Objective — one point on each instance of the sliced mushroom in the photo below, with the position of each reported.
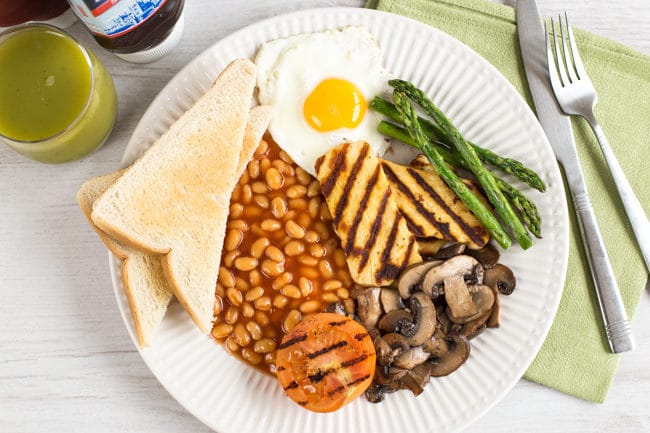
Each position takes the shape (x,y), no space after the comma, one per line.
(375,393)
(458,269)
(453,359)
(390,300)
(449,252)
(437,346)
(368,307)
(411,358)
(389,346)
(459,300)
(416,379)
(411,278)
(430,246)
(481,299)
(487,256)
(424,318)
(385,374)
(336,307)
(399,321)
(444,324)
(501,278)
(476,326)
(493,320)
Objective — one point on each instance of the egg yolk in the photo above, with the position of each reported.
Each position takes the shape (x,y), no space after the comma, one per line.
(334,104)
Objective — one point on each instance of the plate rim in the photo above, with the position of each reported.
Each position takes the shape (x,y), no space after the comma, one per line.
(129,156)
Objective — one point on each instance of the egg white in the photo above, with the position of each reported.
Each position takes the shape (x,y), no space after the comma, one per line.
(289,69)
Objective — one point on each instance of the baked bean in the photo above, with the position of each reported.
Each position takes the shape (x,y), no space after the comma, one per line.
(249,355)
(339,258)
(274,253)
(290,215)
(331,244)
(238,225)
(265,345)
(317,250)
(284,168)
(343,293)
(255,277)
(294,248)
(306,287)
(279,207)
(269,358)
(280,301)
(234,296)
(308,260)
(236,193)
(325,212)
(307,307)
(313,189)
(246,263)
(247,310)
(254,293)
(311,236)
(254,169)
(258,247)
(236,210)
(285,157)
(222,330)
(242,337)
(272,268)
(244,179)
(226,278)
(296,191)
(262,148)
(233,239)
(299,204)
(255,330)
(264,165)
(263,303)
(323,230)
(231,316)
(261,200)
(258,188)
(329,297)
(344,276)
(303,176)
(262,318)
(314,207)
(293,230)
(282,280)
(220,290)
(218,305)
(332,285)
(291,291)
(232,345)
(311,273)
(290,181)
(303,220)
(270,225)
(246,194)
(291,320)
(274,178)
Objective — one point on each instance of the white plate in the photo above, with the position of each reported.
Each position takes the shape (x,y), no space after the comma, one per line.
(230,396)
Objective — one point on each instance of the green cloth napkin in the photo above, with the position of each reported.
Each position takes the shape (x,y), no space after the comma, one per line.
(575,357)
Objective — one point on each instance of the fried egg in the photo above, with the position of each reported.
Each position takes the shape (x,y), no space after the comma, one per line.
(320,85)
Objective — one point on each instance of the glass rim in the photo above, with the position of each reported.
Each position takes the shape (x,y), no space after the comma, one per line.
(4,35)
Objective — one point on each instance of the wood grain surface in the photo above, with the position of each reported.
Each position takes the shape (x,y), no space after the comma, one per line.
(66,361)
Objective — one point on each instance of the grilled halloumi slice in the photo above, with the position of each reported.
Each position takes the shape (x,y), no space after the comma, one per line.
(374,234)
(431,208)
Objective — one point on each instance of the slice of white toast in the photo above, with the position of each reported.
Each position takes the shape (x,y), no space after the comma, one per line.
(142,276)
(174,200)
(143,279)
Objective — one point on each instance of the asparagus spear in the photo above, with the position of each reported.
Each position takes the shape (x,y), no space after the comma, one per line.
(467,152)
(436,133)
(524,206)
(410,118)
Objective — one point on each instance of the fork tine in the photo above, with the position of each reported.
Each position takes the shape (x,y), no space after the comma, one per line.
(552,66)
(577,61)
(565,49)
(560,65)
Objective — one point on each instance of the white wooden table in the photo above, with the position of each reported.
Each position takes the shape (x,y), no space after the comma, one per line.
(67,363)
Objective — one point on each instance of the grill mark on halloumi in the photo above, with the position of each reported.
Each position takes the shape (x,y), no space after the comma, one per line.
(466,228)
(365,214)
(429,217)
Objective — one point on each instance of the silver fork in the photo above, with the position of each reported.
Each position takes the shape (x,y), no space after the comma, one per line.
(576,95)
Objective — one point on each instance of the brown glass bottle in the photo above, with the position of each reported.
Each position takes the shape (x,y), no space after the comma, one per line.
(151,32)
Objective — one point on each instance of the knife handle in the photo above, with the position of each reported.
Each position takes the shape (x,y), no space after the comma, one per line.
(617,326)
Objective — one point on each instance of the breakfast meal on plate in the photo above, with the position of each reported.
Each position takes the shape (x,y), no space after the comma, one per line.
(304,248)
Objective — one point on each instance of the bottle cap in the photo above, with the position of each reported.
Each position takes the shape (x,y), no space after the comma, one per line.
(160,50)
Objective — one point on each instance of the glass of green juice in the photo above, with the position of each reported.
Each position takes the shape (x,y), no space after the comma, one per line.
(57,101)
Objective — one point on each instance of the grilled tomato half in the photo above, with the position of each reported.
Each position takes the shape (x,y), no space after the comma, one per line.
(325,361)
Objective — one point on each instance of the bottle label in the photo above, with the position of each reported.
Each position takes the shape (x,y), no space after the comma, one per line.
(113,18)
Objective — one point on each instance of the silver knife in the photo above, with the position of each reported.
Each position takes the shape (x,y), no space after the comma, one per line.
(557,125)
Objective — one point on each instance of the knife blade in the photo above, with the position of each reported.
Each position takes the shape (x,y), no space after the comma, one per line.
(557,126)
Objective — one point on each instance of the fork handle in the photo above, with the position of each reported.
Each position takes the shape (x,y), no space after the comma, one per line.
(635,213)
(617,326)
